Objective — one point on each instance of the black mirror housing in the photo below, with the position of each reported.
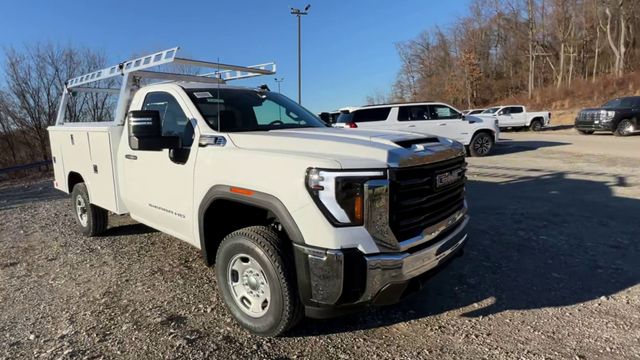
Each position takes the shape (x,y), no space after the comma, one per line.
(145,132)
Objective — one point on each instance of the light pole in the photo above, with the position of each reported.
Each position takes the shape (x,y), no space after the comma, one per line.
(299,13)
(278,81)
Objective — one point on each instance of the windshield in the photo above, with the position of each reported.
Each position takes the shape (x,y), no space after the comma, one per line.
(233,110)
(620,103)
(491,110)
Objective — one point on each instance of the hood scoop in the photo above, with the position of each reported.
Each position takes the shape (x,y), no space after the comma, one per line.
(409,144)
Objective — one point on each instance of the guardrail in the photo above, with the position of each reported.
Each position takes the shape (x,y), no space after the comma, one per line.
(12,169)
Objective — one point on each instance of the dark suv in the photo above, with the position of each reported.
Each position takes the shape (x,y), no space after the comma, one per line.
(620,115)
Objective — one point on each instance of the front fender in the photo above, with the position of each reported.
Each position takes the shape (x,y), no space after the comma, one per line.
(257,199)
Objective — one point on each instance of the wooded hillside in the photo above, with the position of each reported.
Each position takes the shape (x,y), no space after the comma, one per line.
(510,48)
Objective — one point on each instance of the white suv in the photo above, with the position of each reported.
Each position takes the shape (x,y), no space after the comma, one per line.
(477,134)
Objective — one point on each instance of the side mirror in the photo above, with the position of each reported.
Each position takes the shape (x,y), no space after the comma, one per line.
(145,132)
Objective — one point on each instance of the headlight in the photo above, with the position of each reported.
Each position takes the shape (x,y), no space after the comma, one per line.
(607,115)
(340,194)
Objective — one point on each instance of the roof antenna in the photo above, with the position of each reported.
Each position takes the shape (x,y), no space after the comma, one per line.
(218,101)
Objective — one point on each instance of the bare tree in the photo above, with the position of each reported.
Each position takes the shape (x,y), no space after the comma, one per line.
(35,78)
(519,46)
(532,59)
(7,129)
(618,46)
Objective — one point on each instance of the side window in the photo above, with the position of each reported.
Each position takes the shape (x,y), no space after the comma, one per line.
(442,112)
(516,110)
(627,103)
(174,120)
(376,114)
(413,113)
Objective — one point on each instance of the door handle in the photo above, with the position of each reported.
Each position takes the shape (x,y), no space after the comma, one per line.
(411,126)
(131,157)
(442,124)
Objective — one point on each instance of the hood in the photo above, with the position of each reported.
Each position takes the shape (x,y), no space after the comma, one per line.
(354,148)
(601,109)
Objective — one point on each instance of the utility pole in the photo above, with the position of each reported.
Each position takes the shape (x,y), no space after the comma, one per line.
(299,13)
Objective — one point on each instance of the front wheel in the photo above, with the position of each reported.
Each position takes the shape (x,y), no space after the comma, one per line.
(624,128)
(255,275)
(92,219)
(536,125)
(481,144)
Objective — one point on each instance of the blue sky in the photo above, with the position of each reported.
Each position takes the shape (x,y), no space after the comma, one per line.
(348,46)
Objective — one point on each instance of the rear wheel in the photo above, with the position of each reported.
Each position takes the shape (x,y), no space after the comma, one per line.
(481,144)
(92,219)
(584,132)
(255,275)
(536,125)
(625,128)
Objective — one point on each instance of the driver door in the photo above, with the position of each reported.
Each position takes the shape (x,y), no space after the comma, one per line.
(158,185)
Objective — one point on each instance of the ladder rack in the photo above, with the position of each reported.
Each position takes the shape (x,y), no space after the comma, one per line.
(224,72)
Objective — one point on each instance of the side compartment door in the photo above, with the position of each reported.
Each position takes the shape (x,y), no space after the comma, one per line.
(59,179)
(158,185)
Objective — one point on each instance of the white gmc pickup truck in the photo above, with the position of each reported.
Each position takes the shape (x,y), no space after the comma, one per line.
(297,217)
(517,116)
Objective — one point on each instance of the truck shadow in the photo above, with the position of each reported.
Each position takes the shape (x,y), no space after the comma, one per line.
(536,241)
(127,229)
(508,146)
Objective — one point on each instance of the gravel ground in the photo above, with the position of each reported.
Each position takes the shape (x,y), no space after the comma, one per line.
(552,270)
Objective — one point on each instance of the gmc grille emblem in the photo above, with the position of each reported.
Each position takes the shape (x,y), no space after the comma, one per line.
(448,178)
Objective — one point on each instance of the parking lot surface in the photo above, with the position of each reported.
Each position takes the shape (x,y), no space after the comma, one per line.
(552,270)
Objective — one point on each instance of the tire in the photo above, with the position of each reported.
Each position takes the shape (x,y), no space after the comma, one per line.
(625,128)
(481,144)
(535,125)
(92,219)
(264,299)
(585,132)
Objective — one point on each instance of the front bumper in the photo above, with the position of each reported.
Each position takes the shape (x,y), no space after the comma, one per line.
(594,125)
(332,282)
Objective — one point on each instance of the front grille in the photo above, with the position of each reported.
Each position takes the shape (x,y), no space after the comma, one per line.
(589,116)
(416,204)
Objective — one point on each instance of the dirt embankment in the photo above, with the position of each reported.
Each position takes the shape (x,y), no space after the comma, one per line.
(565,102)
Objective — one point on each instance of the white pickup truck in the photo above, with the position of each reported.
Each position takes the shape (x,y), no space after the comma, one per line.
(517,116)
(297,217)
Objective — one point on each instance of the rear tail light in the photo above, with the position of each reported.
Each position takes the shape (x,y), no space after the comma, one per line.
(351,125)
